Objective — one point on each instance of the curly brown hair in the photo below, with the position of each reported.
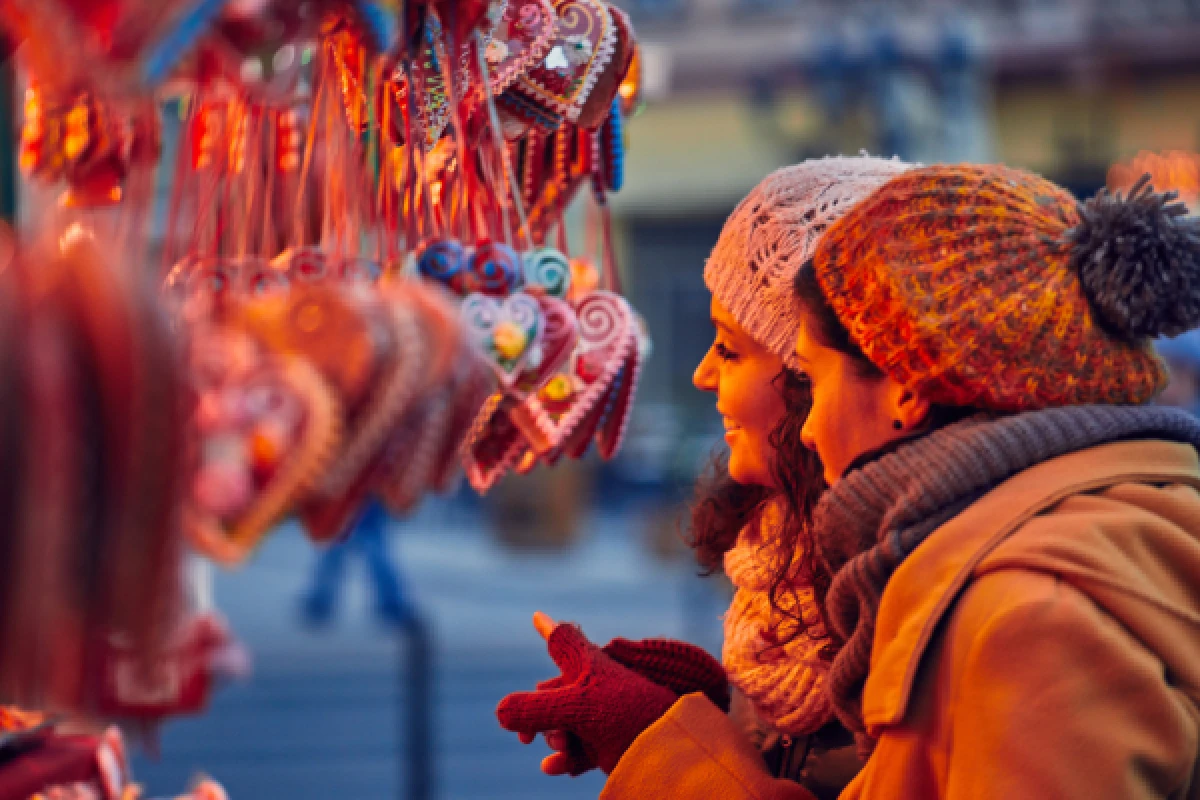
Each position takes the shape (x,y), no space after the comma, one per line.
(723,507)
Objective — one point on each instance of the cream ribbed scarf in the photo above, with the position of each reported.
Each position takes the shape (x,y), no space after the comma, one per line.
(785,684)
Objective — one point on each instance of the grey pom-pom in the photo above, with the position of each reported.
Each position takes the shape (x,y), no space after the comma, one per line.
(1139,260)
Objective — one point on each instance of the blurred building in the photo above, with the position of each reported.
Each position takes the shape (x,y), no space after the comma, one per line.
(736,88)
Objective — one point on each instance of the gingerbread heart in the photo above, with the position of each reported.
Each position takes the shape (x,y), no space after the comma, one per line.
(506,331)
(522,37)
(606,339)
(608,83)
(559,337)
(583,45)
(265,437)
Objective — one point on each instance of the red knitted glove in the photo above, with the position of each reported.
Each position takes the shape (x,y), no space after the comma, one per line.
(601,703)
(681,667)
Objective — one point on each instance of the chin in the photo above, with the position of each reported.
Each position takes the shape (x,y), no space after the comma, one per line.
(748,475)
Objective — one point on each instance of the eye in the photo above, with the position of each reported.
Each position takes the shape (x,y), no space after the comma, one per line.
(724,353)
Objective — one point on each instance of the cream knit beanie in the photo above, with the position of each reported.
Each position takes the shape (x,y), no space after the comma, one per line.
(774,230)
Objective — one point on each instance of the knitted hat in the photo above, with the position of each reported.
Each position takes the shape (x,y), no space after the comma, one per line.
(991,287)
(774,231)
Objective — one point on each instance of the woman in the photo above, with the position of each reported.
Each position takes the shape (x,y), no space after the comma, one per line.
(1013,532)
(750,516)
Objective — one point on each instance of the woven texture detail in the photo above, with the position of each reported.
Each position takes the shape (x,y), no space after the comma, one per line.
(874,517)
(774,231)
(957,281)
(785,682)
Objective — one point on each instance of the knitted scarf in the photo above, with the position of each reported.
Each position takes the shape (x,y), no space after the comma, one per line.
(870,521)
(785,682)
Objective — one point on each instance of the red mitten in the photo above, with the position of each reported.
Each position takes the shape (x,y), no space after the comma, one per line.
(681,667)
(600,702)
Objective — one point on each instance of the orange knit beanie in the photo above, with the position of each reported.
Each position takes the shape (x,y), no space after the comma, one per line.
(991,287)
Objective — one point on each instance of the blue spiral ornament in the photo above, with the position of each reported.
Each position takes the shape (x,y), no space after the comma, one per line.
(494,269)
(443,260)
(549,269)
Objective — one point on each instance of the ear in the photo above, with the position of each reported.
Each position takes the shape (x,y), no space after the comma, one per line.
(911,408)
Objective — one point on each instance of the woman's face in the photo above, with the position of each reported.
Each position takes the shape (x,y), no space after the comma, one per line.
(741,373)
(852,413)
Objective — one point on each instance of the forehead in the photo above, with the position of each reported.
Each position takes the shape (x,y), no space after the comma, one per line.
(721,316)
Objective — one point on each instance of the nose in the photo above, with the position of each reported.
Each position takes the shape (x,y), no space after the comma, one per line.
(705,376)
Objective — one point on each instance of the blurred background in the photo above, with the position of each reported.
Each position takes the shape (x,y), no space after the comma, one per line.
(377,677)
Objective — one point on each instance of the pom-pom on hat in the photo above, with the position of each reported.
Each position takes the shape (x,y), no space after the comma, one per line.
(991,287)
(774,231)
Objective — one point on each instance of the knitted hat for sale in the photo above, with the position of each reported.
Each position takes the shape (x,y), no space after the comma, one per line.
(774,231)
(990,287)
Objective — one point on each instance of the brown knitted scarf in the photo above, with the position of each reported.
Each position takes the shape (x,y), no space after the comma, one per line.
(870,521)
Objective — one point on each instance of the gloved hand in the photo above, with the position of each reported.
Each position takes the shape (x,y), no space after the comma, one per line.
(681,667)
(592,712)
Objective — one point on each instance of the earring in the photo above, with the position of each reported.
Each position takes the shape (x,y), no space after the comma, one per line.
(897,424)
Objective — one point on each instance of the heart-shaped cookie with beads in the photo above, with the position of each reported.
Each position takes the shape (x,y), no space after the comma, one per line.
(584,39)
(267,425)
(522,37)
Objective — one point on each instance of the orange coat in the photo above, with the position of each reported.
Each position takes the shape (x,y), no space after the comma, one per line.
(1043,644)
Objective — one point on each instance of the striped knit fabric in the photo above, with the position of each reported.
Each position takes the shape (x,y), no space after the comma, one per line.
(959,282)
(785,683)
(874,517)
(774,231)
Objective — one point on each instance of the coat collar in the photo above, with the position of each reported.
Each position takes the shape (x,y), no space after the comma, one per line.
(926,583)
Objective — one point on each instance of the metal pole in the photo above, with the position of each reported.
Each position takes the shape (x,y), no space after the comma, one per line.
(416,720)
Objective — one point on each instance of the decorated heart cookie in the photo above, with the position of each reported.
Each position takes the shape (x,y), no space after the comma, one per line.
(506,331)
(583,45)
(265,437)
(522,37)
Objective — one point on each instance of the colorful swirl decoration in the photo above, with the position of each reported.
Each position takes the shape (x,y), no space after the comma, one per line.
(443,261)
(507,331)
(494,269)
(549,270)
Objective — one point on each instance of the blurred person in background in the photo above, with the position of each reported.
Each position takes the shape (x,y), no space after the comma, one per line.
(1182,355)
(369,538)
(752,510)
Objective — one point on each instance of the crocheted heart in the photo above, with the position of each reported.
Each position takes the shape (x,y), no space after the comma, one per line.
(522,37)
(582,47)
(506,331)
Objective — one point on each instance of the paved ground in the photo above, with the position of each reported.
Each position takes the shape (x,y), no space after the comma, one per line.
(323,714)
